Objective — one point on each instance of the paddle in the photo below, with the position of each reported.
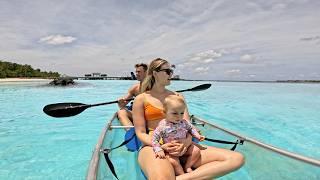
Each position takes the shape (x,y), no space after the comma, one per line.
(72,109)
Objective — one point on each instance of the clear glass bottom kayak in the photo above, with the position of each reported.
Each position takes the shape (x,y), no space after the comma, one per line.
(262,161)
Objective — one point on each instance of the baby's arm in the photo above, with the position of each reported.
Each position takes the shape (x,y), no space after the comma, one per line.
(193,131)
(155,143)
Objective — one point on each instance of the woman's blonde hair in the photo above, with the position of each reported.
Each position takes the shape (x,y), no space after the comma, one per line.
(149,80)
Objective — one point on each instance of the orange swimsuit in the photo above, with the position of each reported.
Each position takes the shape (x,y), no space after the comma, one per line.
(152,113)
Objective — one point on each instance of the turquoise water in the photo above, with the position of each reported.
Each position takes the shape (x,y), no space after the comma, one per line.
(36,146)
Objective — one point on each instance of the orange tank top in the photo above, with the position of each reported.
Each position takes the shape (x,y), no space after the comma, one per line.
(152,113)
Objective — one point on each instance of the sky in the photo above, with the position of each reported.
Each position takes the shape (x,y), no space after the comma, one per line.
(248,40)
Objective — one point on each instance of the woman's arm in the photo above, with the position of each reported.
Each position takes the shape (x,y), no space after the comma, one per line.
(155,141)
(139,120)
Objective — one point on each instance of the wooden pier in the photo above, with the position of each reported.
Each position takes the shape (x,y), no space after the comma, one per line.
(100,76)
(103,78)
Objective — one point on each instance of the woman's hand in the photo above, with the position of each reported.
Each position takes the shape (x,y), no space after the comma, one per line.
(173,148)
(177,148)
(160,155)
(186,142)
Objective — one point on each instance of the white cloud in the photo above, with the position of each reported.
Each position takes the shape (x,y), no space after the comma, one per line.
(233,71)
(208,60)
(210,53)
(247,58)
(207,56)
(196,58)
(201,69)
(57,39)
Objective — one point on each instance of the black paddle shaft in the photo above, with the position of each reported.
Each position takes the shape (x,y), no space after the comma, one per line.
(72,109)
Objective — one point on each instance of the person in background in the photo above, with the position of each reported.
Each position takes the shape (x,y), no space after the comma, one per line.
(124,114)
(148,111)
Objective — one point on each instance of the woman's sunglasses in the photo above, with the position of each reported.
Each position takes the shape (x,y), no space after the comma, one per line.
(168,71)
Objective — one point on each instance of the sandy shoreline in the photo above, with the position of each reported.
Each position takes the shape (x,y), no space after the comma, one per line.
(17,80)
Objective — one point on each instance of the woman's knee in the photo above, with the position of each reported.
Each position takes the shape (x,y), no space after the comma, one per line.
(236,160)
(161,176)
(155,168)
(157,173)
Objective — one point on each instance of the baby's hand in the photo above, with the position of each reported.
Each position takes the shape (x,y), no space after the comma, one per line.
(201,138)
(160,155)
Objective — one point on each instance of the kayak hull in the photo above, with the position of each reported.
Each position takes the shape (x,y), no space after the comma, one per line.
(262,161)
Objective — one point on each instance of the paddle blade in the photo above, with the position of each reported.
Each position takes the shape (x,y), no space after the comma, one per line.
(64,109)
(201,87)
(198,88)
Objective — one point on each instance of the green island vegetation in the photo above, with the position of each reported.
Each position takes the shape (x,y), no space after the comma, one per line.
(14,70)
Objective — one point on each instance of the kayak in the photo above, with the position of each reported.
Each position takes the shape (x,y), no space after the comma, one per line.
(263,161)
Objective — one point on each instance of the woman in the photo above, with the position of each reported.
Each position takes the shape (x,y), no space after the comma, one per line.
(148,112)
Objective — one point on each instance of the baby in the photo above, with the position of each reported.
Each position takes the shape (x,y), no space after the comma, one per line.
(174,127)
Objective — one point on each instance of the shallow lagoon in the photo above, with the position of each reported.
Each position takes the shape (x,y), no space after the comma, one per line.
(35,146)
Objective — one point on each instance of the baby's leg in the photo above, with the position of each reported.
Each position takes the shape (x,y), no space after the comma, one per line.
(193,154)
(176,164)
